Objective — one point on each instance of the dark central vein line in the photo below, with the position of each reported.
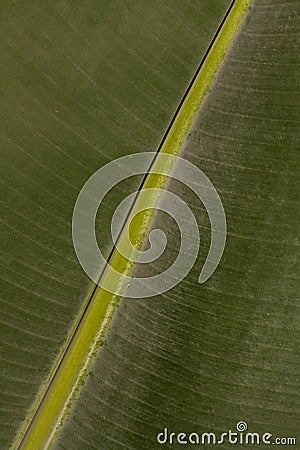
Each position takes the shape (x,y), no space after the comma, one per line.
(71,337)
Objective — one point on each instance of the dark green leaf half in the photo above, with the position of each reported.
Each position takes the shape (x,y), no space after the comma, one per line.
(201,358)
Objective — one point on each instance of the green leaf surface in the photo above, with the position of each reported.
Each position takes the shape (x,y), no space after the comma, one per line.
(82,84)
(201,358)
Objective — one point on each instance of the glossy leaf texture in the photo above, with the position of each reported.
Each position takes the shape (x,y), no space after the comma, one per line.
(82,83)
(202,358)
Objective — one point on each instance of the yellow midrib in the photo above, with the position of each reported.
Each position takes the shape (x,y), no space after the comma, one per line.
(54,406)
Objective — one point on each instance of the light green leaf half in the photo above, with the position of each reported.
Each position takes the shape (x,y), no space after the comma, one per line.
(82,83)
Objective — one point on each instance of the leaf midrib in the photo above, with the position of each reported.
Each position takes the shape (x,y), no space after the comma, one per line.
(49,409)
